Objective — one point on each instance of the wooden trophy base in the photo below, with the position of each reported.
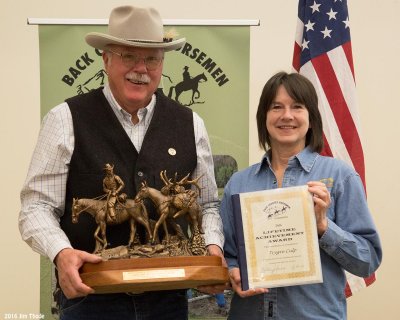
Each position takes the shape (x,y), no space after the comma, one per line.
(153,274)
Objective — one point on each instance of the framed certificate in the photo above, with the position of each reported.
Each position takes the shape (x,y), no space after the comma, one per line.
(277,238)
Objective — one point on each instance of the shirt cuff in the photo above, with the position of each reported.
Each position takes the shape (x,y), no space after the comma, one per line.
(56,248)
(332,239)
(210,239)
(232,263)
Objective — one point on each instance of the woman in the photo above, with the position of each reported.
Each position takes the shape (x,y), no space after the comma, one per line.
(290,131)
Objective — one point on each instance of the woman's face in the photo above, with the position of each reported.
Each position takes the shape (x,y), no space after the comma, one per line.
(287,122)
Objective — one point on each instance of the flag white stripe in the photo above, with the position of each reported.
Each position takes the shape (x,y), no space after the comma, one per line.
(344,76)
(330,127)
(346,81)
(299,32)
(355,283)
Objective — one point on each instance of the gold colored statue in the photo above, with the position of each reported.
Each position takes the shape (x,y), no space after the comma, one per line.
(130,210)
(171,202)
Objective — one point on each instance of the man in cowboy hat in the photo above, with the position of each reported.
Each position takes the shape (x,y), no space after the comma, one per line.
(112,185)
(139,130)
(186,75)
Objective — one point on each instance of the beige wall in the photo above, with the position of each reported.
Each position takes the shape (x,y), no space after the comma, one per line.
(376,48)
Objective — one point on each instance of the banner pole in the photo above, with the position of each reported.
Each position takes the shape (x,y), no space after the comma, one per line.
(166,22)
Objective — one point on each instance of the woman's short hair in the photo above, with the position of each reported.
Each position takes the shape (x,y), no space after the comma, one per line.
(301,90)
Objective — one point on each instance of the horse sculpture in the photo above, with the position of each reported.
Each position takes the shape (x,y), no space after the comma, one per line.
(186,85)
(132,210)
(167,210)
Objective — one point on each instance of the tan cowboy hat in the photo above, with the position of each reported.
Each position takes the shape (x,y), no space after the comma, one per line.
(134,27)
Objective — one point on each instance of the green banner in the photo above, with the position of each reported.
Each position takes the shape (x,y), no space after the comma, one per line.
(209,74)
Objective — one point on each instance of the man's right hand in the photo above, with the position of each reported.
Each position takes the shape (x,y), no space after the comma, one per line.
(68,262)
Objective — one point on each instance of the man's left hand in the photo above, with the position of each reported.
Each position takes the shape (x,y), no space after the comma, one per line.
(214,250)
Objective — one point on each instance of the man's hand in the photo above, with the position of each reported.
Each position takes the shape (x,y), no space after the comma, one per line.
(214,250)
(68,262)
(234,275)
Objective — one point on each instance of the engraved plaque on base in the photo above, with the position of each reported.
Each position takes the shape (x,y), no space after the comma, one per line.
(153,274)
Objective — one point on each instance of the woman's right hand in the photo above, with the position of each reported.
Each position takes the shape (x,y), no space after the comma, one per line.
(234,276)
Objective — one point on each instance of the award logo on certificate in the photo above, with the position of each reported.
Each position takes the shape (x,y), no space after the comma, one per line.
(277,238)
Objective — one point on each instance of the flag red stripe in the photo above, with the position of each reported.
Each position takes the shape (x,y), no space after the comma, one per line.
(296,57)
(339,116)
(327,149)
(340,111)
(348,52)
(369,280)
(347,290)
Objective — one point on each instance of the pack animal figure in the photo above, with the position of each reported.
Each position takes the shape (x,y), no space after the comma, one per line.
(173,201)
(183,199)
(185,202)
(163,205)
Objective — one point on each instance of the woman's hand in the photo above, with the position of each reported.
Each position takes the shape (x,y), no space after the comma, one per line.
(234,275)
(322,201)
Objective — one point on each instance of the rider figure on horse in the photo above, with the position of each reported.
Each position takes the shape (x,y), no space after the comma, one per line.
(186,75)
(112,185)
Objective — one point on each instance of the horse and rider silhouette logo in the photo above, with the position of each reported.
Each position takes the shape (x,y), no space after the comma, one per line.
(187,84)
(276,209)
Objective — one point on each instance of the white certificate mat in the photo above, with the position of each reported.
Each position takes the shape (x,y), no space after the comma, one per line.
(277,238)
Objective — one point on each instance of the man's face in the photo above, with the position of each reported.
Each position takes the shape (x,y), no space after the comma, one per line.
(132,84)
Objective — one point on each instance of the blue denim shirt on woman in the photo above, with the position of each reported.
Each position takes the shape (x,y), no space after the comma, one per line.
(350,243)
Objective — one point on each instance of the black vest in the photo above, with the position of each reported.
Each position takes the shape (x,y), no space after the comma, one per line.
(101,139)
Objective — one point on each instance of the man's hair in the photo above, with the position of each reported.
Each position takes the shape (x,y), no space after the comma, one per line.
(301,90)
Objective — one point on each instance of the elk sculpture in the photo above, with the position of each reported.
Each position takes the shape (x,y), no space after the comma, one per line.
(172,201)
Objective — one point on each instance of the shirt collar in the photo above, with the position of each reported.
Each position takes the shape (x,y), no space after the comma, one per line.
(148,110)
(306,159)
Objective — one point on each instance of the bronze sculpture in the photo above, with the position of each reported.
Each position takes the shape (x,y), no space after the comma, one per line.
(131,210)
(171,202)
(119,272)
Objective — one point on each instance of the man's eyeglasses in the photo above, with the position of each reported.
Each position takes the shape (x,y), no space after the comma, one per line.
(131,59)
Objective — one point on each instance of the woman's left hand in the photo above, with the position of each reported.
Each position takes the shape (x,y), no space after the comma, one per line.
(322,201)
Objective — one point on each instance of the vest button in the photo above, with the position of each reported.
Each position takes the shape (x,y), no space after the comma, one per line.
(172,151)
(140,173)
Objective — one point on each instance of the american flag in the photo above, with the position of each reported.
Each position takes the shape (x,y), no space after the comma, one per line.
(322,53)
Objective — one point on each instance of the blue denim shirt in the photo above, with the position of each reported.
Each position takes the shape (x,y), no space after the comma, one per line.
(350,243)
